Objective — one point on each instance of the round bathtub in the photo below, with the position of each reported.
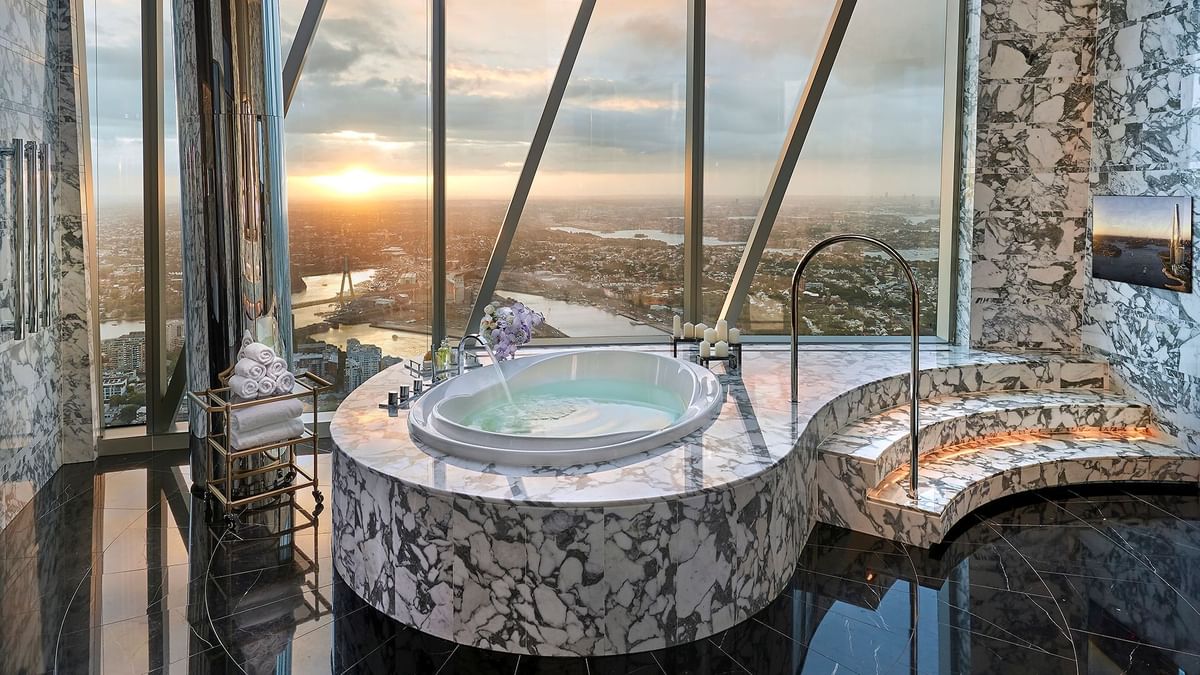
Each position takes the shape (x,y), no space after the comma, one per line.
(567,408)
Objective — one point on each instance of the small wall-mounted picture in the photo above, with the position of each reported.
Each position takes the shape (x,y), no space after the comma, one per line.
(1145,241)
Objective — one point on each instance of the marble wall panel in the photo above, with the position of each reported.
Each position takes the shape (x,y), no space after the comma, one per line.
(45,376)
(1028,184)
(1147,144)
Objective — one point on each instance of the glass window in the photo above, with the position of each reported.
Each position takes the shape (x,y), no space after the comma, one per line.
(500,61)
(172,327)
(871,165)
(599,249)
(113,32)
(358,193)
(757,59)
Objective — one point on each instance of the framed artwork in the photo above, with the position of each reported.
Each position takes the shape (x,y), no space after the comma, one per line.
(1146,241)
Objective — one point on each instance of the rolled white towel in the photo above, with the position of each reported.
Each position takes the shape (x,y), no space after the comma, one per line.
(243,387)
(273,433)
(266,385)
(247,338)
(251,370)
(285,383)
(258,352)
(253,418)
(277,367)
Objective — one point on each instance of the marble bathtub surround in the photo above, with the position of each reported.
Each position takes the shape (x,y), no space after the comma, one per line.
(646,552)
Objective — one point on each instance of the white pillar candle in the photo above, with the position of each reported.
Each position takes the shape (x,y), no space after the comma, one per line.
(704,349)
(735,336)
(722,349)
(700,328)
(710,335)
(722,329)
(677,327)
(689,331)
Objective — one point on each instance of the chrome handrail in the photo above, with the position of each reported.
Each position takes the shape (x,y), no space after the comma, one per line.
(914,376)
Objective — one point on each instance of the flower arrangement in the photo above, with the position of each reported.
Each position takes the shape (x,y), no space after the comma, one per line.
(506,328)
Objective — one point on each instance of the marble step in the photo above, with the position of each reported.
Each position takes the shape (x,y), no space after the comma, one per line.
(871,448)
(956,480)
(1000,372)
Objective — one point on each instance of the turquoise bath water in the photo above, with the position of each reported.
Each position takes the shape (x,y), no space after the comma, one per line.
(576,408)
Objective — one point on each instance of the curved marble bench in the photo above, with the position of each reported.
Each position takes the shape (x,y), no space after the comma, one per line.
(653,550)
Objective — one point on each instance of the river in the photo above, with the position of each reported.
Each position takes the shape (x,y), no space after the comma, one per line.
(326,286)
(582,320)
(655,235)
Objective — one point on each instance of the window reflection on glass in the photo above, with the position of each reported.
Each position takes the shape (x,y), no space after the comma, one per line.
(358,207)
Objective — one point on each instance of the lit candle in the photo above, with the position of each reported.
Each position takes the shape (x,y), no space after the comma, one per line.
(677,327)
(722,349)
(735,336)
(689,331)
(704,349)
(722,329)
(710,335)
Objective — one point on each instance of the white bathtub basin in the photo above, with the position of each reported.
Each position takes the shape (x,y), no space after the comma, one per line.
(568,408)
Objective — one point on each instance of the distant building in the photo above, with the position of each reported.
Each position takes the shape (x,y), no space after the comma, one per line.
(362,362)
(126,354)
(174,334)
(115,386)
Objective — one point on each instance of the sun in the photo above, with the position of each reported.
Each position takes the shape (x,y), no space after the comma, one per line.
(357,182)
(352,182)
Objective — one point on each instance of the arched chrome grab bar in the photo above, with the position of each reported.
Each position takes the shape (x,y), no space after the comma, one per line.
(914,373)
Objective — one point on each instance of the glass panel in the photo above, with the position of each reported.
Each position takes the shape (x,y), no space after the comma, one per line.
(758,56)
(871,165)
(500,61)
(358,205)
(599,249)
(290,12)
(113,31)
(173,300)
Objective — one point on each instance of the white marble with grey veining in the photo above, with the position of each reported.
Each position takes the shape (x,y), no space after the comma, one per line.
(960,479)
(48,415)
(662,548)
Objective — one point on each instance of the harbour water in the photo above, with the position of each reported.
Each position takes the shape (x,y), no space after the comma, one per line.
(654,235)
(583,320)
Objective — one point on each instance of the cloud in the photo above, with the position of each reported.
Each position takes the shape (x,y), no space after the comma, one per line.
(364,94)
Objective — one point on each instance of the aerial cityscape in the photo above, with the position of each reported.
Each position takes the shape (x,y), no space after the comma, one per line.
(595,268)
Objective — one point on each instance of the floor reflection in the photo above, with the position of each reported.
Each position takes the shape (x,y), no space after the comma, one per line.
(118,569)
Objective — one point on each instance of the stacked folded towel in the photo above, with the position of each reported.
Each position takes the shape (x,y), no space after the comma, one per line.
(259,373)
(276,432)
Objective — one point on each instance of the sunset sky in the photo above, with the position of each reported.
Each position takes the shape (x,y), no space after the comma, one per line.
(359,123)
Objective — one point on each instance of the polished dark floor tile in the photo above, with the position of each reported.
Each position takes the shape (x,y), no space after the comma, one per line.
(116,568)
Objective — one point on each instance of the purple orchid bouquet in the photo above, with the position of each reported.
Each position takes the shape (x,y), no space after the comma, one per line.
(506,328)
